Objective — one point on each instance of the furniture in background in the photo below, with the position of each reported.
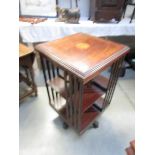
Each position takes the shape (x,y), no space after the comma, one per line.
(131,149)
(81,93)
(38,8)
(131,3)
(26,73)
(50,30)
(32,20)
(129,62)
(106,10)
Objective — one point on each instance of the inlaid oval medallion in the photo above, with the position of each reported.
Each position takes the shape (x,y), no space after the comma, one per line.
(82,45)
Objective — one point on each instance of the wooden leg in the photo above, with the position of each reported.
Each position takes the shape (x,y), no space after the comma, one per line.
(45,77)
(133,14)
(24,79)
(34,87)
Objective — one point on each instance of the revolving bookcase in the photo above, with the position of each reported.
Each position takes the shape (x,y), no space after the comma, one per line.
(72,68)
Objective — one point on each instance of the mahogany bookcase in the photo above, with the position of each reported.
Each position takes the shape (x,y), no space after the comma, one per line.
(72,68)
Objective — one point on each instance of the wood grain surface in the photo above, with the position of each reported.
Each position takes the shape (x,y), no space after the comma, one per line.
(82,54)
(24,50)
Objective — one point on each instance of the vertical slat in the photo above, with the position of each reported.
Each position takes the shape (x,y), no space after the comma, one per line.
(33,81)
(49,74)
(45,78)
(76,91)
(57,94)
(58,73)
(117,76)
(53,70)
(81,87)
(66,89)
(70,98)
(26,73)
(113,80)
(110,84)
(133,13)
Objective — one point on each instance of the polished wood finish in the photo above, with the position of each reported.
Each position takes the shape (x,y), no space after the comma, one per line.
(87,117)
(81,93)
(24,50)
(91,92)
(101,82)
(26,59)
(106,10)
(82,54)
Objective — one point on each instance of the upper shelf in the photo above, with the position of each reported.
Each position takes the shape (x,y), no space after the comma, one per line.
(90,95)
(101,82)
(82,54)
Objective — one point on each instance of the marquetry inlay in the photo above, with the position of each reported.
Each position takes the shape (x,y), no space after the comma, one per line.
(82,45)
(83,54)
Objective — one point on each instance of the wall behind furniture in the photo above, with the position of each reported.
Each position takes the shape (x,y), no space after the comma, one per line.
(83,5)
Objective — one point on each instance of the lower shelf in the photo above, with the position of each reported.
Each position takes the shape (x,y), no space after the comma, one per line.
(92,103)
(90,95)
(25,91)
(101,104)
(87,118)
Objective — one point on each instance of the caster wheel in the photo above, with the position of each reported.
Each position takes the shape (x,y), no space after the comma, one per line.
(65,126)
(95,124)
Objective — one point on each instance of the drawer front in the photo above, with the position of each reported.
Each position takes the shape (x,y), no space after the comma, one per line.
(107,15)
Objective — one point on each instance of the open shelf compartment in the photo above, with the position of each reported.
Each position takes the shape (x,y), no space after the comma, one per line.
(91,92)
(88,117)
(101,82)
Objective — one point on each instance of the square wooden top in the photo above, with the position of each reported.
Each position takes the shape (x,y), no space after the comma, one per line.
(82,54)
(24,50)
